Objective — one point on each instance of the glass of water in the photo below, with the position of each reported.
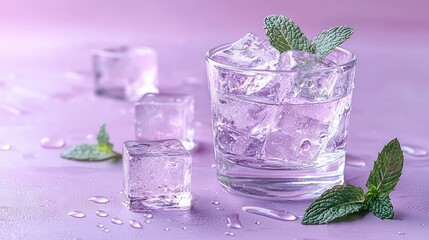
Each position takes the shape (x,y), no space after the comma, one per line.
(279,120)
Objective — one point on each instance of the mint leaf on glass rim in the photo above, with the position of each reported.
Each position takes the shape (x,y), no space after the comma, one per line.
(337,202)
(97,152)
(285,35)
(328,40)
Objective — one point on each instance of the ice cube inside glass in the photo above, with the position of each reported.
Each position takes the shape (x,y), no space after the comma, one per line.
(125,72)
(164,116)
(157,175)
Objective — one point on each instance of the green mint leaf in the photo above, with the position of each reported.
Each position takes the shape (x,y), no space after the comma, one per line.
(380,206)
(103,138)
(339,201)
(387,169)
(87,152)
(328,40)
(285,35)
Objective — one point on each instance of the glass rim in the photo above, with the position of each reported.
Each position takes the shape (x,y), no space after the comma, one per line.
(209,59)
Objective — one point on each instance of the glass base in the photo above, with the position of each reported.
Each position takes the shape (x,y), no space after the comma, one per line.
(279,184)
(181,202)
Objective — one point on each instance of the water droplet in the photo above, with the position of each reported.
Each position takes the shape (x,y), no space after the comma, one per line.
(47,142)
(355,163)
(213,166)
(147,221)
(422,224)
(148,215)
(101,213)
(99,199)
(233,221)
(271,213)
(257,222)
(231,234)
(305,146)
(401,233)
(116,221)
(100,225)
(106,230)
(184,228)
(220,209)
(135,224)
(290,217)
(166,229)
(414,150)
(5,147)
(76,214)
(215,202)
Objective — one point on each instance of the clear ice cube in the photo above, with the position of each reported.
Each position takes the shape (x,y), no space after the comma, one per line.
(249,52)
(294,60)
(312,77)
(302,131)
(157,175)
(125,72)
(164,116)
(242,124)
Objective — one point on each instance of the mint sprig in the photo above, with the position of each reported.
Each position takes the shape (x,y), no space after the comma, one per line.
(328,40)
(103,150)
(285,35)
(341,201)
(334,203)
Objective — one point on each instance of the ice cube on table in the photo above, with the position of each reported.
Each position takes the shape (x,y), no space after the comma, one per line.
(249,52)
(157,175)
(161,116)
(125,72)
(312,77)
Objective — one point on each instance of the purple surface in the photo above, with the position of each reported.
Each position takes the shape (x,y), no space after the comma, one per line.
(46,90)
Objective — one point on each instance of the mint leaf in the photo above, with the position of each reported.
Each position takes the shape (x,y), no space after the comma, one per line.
(328,40)
(87,152)
(383,178)
(387,169)
(103,139)
(339,201)
(380,206)
(285,35)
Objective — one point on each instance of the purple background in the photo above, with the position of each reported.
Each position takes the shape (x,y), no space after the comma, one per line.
(46,90)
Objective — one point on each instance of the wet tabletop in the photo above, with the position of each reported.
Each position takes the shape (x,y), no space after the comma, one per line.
(46,91)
